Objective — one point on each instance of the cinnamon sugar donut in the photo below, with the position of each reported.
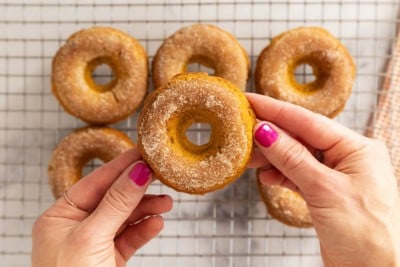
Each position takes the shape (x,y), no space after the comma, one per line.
(169,111)
(332,65)
(204,44)
(74,87)
(79,147)
(334,70)
(285,205)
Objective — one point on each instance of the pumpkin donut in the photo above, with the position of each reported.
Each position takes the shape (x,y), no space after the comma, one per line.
(204,44)
(79,147)
(285,205)
(74,63)
(332,66)
(169,111)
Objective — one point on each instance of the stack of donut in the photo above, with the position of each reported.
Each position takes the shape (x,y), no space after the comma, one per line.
(181,99)
(98,105)
(334,70)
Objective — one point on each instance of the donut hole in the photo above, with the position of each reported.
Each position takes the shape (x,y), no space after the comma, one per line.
(195,133)
(199,133)
(304,74)
(100,74)
(197,67)
(90,165)
(103,74)
(200,64)
(310,74)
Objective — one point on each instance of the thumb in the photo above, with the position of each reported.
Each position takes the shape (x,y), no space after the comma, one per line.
(121,198)
(289,156)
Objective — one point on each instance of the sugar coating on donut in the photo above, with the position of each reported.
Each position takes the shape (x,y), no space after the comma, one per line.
(204,44)
(285,205)
(189,171)
(332,65)
(327,95)
(80,95)
(80,146)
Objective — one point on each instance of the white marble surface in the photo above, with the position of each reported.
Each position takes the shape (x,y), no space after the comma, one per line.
(226,228)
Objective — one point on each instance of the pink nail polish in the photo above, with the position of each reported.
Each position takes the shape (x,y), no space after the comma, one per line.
(265,135)
(140,174)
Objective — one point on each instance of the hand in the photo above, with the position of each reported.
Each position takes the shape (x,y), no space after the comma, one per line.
(122,219)
(352,195)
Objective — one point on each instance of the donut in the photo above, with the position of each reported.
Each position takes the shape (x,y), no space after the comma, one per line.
(170,110)
(77,92)
(285,205)
(204,44)
(334,70)
(79,147)
(332,66)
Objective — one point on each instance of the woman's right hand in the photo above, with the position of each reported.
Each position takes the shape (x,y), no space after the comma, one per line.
(352,194)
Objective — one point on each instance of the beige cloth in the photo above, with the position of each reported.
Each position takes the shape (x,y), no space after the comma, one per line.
(386,123)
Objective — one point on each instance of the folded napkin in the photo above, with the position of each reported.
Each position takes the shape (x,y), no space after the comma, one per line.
(385,125)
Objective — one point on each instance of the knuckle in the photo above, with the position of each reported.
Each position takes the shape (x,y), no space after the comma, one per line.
(38,226)
(380,145)
(371,142)
(329,184)
(84,235)
(374,146)
(293,156)
(117,198)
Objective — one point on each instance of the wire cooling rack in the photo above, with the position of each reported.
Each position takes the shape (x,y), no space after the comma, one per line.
(225,228)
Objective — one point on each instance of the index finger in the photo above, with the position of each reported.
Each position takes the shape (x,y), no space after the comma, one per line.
(88,191)
(316,130)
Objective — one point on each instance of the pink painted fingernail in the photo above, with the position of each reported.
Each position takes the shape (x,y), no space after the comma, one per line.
(140,174)
(265,135)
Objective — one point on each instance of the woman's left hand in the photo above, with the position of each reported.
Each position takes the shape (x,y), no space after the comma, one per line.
(111,220)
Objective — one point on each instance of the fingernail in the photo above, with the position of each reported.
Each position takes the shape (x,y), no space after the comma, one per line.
(265,135)
(140,174)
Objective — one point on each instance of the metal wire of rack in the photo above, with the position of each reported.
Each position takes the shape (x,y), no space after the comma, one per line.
(229,227)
